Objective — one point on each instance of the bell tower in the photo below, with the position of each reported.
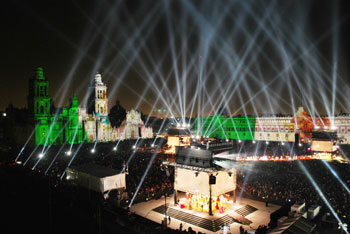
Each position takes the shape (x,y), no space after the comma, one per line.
(98,101)
(41,95)
(39,103)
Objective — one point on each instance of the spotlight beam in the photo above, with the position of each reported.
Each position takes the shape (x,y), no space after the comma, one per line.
(319,191)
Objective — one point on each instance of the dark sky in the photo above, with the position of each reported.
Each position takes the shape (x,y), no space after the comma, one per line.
(252,56)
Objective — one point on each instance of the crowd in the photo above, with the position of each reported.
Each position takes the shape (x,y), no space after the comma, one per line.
(275,182)
(286,182)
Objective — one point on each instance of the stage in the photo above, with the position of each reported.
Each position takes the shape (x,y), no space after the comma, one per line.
(252,213)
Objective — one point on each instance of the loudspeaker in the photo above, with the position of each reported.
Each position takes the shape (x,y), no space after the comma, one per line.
(212,179)
(297,138)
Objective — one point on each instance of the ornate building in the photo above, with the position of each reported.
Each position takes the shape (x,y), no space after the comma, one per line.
(75,124)
(274,128)
(133,127)
(52,126)
(299,127)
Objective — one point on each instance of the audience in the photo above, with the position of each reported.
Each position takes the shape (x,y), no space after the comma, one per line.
(272,182)
(285,183)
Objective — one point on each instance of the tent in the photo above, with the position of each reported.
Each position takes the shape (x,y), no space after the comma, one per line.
(95,177)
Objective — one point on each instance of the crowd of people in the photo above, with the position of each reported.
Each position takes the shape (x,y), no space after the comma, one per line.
(288,182)
(275,182)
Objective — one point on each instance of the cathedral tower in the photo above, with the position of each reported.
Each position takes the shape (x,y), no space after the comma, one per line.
(98,102)
(39,106)
(41,95)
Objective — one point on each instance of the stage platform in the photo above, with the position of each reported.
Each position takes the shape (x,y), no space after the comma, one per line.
(246,212)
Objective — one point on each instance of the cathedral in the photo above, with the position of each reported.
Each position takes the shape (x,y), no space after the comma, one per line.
(75,124)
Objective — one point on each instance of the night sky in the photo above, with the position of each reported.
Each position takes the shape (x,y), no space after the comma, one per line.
(184,56)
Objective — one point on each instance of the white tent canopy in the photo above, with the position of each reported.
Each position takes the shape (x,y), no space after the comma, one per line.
(96,177)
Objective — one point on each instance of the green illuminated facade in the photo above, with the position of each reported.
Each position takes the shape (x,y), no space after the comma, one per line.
(52,126)
(235,128)
(74,129)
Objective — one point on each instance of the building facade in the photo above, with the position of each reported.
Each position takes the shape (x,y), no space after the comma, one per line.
(75,124)
(299,127)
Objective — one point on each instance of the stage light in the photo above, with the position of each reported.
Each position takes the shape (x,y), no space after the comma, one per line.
(282,143)
(254,142)
(334,128)
(267,142)
(178,125)
(184,125)
(317,127)
(69,153)
(134,146)
(325,127)
(41,155)
(115,148)
(152,145)
(4,114)
(226,140)
(300,144)
(343,226)
(188,125)
(92,151)
(240,141)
